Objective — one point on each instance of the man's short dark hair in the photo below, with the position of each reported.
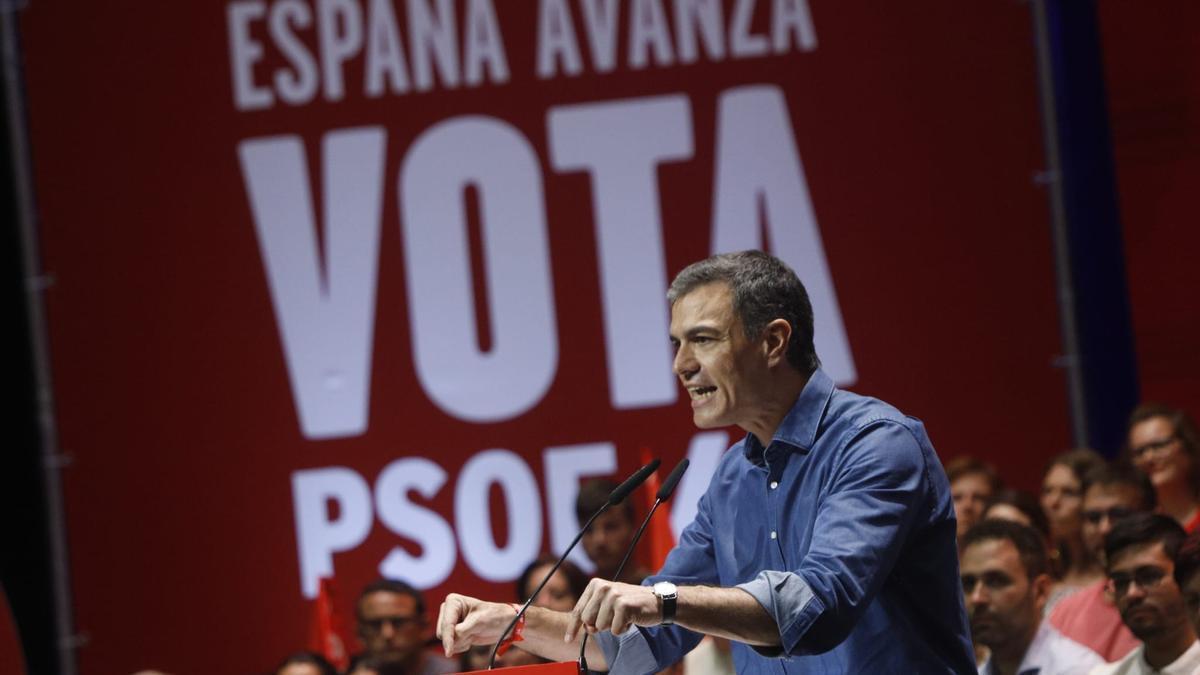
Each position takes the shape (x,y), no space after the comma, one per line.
(1143,529)
(1187,561)
(1122,473)
(1030,545)
(593,493)
(391,586)
(764,288)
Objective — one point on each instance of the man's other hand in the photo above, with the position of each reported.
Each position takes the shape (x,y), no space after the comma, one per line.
(464,622)
(613,606)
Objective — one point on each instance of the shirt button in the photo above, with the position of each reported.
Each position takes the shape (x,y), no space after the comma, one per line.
(774,484)
(773,535)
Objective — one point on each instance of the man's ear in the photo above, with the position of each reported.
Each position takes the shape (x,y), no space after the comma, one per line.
(1042,585)
(775,338)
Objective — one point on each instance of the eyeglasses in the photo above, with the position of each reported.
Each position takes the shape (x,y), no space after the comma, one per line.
(1094,516)
(1146,577)
(396,622)
(1156,448)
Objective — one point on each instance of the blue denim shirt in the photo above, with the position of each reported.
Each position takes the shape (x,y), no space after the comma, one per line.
(843,529)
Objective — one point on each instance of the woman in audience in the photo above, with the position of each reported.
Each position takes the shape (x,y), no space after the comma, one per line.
(1163,444)
(972,484)
(1062,502)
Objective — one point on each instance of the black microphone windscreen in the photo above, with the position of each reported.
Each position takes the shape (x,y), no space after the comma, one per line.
(664,492)
(618,495)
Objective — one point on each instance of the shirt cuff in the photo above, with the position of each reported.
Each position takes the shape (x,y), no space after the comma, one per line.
(628,653)
(788,598)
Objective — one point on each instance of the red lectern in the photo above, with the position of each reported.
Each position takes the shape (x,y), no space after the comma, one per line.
(560,668)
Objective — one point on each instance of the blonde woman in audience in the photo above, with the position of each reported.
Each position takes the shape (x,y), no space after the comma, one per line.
(1062,501)
(1163,444)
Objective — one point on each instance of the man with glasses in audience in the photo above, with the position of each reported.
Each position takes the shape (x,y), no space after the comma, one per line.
(1006,581)
(393,629)
(1140,562)
(1088,616)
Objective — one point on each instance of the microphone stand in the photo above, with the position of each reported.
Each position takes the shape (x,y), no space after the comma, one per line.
(664,494)
(616,497)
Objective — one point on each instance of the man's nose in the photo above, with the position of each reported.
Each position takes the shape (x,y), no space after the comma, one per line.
(685,363)
(978,596)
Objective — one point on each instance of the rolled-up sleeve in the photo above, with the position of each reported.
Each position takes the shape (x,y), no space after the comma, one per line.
(861,526)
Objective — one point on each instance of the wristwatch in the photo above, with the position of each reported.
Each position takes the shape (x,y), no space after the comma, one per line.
(667,592)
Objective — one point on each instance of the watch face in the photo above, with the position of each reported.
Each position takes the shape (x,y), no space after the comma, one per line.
(664,588)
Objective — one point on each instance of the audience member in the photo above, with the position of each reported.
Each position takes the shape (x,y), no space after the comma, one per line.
(1139,556)
(1088,616)
(1006,581)
(1062,502)
(373,665)
(394,630)
(563,589)
(560,593)
(1163,444)
(305,663)
(1018,506)
(610,535)
(972,484)
(1187,575)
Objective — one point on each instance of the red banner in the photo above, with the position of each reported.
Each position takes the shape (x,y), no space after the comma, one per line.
(359,287)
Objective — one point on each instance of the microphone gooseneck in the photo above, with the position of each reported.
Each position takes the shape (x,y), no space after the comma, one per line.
(664,493)
(615,497)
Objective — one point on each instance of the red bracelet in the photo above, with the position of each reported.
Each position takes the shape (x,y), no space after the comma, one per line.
(517,634)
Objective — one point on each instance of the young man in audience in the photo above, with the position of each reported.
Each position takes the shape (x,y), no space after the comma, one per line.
(393,629)
(972,484)
(1139,557)
(1088,616)
(1187,575)
(610,535)
(1006,581)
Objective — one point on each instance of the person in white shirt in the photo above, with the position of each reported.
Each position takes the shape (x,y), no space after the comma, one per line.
(1006,581)
(1140,562)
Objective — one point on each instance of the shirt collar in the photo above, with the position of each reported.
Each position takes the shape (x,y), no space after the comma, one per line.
(799,428)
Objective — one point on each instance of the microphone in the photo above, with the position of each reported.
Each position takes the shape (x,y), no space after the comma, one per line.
(614,498)
(664,493)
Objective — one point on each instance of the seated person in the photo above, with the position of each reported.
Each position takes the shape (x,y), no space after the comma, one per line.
(393,629)
(1139,558)
(1088,616)
(972,484)
(1006,581)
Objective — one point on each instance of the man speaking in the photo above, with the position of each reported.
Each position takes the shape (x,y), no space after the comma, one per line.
(825,542)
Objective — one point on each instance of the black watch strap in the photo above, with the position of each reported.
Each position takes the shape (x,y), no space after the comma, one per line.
(668,609)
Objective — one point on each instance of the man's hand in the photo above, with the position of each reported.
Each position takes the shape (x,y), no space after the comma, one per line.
(613,606)
(464,622)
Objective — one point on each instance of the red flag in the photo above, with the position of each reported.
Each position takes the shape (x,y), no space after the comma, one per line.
(325,636)
(658,532)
